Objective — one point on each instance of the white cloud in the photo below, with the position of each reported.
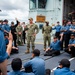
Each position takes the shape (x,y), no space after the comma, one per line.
(14,8)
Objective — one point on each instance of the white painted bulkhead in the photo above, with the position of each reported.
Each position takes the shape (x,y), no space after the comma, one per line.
(53,12)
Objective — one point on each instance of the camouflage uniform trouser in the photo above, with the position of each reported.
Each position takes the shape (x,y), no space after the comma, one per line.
(46,38)
(32,40)
(19,39)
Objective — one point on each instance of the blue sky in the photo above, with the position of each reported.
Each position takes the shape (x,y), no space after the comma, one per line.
(14,8)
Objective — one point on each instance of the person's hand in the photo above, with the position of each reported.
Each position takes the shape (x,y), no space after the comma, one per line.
(48,49)
(15,33)
(73,45)
(9,47)
(25,31)
(71,29)
(21,24)
(61,34)
(10,38)
(69,45)
(34,34)
(16,19)
(24,26)
(69,49)
(19,33)
(59,67)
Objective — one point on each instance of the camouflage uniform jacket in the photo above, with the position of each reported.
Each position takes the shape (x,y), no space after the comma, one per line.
(31,29)
(19,29)
(46,30)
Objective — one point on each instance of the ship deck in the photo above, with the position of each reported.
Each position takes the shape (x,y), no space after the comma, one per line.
(50,62)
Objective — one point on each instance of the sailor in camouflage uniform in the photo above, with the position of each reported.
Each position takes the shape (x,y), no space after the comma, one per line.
(32,30)
(19,31)
(46,30)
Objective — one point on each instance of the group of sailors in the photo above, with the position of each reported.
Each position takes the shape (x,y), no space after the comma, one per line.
(64,34)
(64,38)
(17,30)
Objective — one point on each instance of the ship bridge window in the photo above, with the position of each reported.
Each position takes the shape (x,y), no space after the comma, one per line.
(32,4)
(42,3)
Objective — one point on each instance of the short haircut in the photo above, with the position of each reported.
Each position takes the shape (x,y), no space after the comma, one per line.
(5,20)
(36,52)
(12,22)
(55,37)
(65,63)
(18,22)
(58,22)
(16,64)
(23,22)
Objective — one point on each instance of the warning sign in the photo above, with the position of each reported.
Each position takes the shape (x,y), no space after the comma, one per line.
(40,18)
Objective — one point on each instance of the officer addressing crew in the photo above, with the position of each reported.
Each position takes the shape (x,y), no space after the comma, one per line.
(32,30)
(46,30)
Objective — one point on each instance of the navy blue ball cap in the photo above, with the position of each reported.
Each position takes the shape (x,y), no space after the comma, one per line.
(72,34)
